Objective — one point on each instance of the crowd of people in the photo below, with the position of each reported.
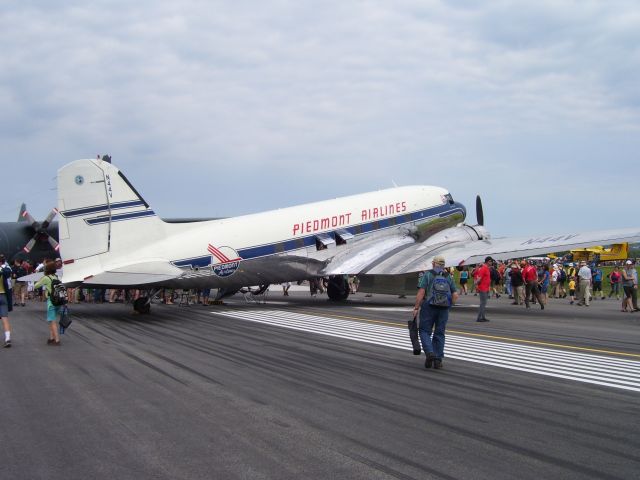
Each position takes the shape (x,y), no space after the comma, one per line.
(14,292)
(527,282)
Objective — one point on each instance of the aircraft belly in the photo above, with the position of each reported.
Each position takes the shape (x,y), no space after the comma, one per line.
(258,271)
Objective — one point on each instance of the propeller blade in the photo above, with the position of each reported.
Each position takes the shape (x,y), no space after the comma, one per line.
(50,217)
(27,248)
(52,241)
(479,214)
(32,221)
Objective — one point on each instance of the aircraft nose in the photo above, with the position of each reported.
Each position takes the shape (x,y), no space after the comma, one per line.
(463,208)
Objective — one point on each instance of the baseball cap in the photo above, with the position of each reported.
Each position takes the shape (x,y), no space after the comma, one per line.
(439,259)
(628,262)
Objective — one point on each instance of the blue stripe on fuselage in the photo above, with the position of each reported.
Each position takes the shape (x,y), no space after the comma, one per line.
(120,217)
(101,208)
(310,240)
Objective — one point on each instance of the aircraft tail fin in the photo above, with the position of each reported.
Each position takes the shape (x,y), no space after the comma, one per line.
(101,214)
(21,213)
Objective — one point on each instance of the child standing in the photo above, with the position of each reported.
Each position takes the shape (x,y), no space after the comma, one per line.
(572,290)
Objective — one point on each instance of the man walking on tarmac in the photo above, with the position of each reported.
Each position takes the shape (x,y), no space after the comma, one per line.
(530,277)
(436,294)
(482,281)
(584,284)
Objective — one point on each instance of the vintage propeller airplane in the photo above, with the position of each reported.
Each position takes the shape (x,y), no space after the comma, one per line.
(28,238)
(110,237)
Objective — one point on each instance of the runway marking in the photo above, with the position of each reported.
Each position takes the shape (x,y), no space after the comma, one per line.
(582,367)
(498,337)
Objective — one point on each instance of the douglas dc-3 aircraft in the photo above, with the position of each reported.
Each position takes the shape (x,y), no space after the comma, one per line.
(110,237)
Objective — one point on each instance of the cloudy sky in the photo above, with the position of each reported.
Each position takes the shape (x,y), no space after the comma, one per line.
(220,108)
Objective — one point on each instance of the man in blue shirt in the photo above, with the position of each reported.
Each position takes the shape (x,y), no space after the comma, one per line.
(596,272)
(436,294)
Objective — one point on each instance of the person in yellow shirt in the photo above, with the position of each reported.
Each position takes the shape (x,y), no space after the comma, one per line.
(572,290)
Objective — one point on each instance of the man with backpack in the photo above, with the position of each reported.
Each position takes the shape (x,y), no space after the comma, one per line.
(56,294)
(436,294)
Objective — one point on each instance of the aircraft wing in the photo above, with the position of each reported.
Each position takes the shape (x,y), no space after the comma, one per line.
(408,256)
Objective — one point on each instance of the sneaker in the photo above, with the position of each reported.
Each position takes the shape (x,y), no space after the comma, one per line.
(50,341)
(482,320)
(7,344)
(541,307)
(437,363)
(429,361)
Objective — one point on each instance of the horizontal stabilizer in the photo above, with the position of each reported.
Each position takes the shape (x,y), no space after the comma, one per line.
(136,274)
(32,277)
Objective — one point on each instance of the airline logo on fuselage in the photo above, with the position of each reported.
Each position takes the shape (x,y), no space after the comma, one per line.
(224,260)
(342,219)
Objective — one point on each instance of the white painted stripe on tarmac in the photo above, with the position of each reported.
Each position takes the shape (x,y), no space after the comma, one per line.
(580,367)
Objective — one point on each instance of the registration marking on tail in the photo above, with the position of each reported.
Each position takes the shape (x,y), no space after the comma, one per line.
(581,367)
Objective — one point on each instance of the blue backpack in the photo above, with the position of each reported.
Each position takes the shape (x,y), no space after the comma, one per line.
(441,295)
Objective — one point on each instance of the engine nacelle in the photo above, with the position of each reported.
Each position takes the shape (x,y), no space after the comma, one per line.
(459,233)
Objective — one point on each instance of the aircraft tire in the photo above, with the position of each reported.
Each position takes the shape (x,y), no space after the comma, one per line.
(338,288)
(142,305)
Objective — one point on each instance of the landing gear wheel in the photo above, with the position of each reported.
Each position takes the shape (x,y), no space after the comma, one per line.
(142,305)
(338,288)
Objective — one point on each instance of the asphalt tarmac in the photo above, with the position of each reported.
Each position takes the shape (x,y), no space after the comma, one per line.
(302,387)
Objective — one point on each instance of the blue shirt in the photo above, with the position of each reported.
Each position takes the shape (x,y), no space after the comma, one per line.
(597,275)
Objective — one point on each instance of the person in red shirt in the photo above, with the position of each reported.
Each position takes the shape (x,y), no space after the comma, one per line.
(530,277)
(482,281)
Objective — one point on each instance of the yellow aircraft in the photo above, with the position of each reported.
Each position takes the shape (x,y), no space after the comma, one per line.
(618,251)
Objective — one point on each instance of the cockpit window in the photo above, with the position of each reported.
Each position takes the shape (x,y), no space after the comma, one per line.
(449,198)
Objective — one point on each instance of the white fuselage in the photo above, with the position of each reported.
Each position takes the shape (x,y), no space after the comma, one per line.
(280,245)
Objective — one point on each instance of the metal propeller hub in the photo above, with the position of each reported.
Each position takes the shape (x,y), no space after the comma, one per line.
(40,230)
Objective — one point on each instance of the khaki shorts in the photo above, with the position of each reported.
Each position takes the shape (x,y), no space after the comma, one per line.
(19,288)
